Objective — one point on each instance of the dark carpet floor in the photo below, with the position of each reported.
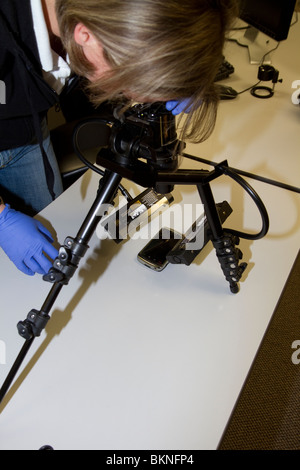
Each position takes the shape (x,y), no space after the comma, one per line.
(267,413)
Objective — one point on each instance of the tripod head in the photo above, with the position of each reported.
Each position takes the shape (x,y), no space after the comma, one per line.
(143,141)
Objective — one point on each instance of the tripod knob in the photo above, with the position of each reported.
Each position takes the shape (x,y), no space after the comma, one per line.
(25,330)
(33,325)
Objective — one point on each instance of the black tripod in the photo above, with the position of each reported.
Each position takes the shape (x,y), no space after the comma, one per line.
(144,149)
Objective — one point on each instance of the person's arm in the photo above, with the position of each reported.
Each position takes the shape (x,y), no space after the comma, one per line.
(26,242)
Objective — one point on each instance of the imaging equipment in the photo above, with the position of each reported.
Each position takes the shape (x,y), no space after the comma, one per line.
(267,20)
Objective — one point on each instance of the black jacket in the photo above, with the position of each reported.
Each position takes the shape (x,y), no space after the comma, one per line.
(28,96)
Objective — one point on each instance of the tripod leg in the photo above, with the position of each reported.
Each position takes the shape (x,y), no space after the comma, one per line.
(210,210)
(224,243)
(64,268)
(13,371)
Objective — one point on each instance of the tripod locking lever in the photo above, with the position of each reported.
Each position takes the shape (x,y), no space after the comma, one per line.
(33,325)
(67,262)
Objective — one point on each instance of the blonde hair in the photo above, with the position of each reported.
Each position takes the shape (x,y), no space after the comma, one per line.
(161,49)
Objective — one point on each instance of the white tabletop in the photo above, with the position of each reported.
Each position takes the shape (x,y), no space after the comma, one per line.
(135,359)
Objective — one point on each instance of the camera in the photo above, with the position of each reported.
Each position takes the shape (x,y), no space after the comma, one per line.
(143,141)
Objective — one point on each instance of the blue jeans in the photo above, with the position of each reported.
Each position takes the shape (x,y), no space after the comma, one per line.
(22,177)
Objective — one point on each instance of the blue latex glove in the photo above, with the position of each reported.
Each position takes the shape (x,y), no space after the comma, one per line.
(26,241)
(177,106)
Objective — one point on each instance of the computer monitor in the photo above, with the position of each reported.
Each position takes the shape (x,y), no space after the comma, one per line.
(266,19)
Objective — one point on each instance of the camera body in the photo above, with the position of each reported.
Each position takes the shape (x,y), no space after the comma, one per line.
(143,141)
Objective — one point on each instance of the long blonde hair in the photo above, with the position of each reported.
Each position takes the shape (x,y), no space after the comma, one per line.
(163,49)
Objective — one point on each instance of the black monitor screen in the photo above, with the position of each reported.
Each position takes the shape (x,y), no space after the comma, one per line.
(272,17)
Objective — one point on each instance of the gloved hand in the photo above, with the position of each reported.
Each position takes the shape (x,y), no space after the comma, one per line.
(25,240)
(177,106)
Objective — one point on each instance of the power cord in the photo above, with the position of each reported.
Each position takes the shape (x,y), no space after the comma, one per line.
(247,174)
(86,162)
(232,173)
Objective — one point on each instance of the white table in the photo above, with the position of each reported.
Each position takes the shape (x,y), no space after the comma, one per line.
(134,359)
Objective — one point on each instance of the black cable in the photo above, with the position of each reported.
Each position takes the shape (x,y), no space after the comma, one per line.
(256,86)
(249,88)
(235,174)
(296,20)
(247,174)
(274,49)
(87,163)
(259,204)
